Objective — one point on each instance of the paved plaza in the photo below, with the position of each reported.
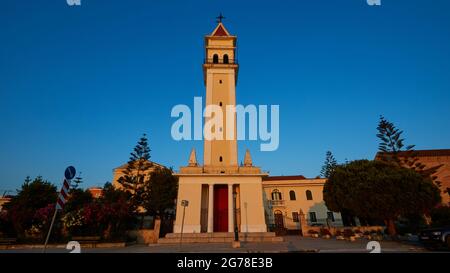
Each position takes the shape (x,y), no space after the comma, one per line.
(291,244)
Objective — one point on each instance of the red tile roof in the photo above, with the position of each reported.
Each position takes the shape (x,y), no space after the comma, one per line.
(424,153)
(288,177)
(220,31)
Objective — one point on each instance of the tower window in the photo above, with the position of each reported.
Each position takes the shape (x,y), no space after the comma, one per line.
(220,159)
(220,103)
(220,81)
(225,59)
(216,59)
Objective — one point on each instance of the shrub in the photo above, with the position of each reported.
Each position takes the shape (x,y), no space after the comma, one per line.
(440,216)
(325,231)
(348,233)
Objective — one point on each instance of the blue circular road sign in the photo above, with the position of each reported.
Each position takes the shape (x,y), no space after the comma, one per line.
(70,172)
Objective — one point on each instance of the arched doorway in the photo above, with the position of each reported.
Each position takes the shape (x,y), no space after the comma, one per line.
(279,221)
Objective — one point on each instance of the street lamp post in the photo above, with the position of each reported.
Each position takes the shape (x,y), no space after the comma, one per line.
(184,204)
(236,243)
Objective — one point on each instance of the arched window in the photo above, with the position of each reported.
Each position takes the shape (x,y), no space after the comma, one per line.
(215,59)
(225,59)
(220,159)
(276,195)
(309,195)
(292,195)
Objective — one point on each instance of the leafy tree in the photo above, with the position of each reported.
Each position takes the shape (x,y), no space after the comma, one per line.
(378,190)
(163,188)
(33,195)
(133,178)
(116,202)
(440,216)
(77,199)
(392,150)
(76,182)
(329,165)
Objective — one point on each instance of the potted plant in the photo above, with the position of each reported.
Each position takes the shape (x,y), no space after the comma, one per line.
(313,233)
(358,233)
(339,235)
(326,234)
(349,234)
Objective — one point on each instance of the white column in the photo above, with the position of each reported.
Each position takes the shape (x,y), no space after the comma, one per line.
(211,208)
(230,208)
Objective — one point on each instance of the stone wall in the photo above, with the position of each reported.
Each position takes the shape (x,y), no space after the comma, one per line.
(147,236)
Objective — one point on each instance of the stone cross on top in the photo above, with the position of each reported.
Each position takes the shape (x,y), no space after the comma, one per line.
(220,18)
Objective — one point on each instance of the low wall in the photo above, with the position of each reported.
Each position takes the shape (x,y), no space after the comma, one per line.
(40,246)
(333,230)
(147,236)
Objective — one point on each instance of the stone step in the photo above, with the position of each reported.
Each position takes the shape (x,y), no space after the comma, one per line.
(224,238)
(221,235)
(218,240)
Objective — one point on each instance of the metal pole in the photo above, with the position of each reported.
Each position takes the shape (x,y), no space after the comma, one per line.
(50,230)
(236,235)
(182,226)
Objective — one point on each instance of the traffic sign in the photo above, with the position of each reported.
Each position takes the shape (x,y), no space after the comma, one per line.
(70,172)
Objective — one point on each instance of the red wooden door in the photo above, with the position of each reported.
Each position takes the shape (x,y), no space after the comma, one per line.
(221,208)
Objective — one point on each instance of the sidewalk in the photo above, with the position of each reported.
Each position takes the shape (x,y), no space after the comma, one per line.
(293,244)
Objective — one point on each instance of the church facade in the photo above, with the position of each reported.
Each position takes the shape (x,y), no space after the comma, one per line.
(222,196)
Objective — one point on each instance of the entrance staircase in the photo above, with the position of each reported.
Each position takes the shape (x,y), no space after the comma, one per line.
(220,237)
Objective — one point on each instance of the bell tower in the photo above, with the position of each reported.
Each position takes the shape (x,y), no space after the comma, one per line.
(220,70)
(219,188)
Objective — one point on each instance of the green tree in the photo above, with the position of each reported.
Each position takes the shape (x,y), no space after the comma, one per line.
(33,195)
(329,165)
(77,199)
(163,188)
(393,150)
(378,190)
(120,212)
(77,181)
(440,216)
(133,179)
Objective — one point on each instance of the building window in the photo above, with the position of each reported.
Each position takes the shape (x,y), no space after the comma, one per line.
(220,159)
(276,195)
(330,216)
(309,195)
(295,216)
(215,59)
(220,81)
(220,103)
(312,217)
(292,195)
(225,59)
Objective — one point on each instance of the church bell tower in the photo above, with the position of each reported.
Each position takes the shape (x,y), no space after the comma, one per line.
(220,70)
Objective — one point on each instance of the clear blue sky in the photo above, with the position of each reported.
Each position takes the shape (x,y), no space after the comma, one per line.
(79,85)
